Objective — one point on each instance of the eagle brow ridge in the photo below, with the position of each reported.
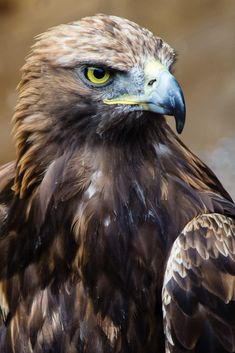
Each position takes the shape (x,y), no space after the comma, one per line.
(102,64)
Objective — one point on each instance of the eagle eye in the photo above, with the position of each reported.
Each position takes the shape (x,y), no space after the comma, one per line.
(97,75)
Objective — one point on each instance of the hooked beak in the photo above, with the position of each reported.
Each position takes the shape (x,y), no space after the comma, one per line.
(162,94)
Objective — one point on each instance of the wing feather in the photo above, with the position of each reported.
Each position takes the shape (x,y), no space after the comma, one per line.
(199,287)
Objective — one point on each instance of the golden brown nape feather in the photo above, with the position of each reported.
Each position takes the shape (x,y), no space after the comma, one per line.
(96,199)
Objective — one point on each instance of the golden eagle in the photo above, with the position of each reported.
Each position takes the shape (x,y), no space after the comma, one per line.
(114,237)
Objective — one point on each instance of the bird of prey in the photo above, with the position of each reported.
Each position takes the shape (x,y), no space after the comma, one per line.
(114,237)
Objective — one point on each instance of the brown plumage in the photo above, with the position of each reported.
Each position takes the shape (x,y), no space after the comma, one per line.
(114,236)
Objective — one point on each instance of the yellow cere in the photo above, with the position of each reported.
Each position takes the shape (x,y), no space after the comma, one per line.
(97,75)
(152,69)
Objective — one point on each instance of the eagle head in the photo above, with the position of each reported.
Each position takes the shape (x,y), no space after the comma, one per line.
(100,77)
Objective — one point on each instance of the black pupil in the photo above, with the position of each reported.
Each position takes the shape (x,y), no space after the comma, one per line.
(99,73)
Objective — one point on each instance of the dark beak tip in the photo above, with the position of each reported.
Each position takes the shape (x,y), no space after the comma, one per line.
(179,128)
(180,113)
(180,120)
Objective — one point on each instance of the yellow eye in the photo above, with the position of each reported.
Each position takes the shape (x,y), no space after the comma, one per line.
(97,75)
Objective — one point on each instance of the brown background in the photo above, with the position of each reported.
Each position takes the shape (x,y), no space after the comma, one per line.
(202,32)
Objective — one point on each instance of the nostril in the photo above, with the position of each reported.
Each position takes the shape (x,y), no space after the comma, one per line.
(151,82)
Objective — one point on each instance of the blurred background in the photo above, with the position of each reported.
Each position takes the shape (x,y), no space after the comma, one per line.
(202,32)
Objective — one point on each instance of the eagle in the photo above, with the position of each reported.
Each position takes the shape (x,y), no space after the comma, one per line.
(114,236)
